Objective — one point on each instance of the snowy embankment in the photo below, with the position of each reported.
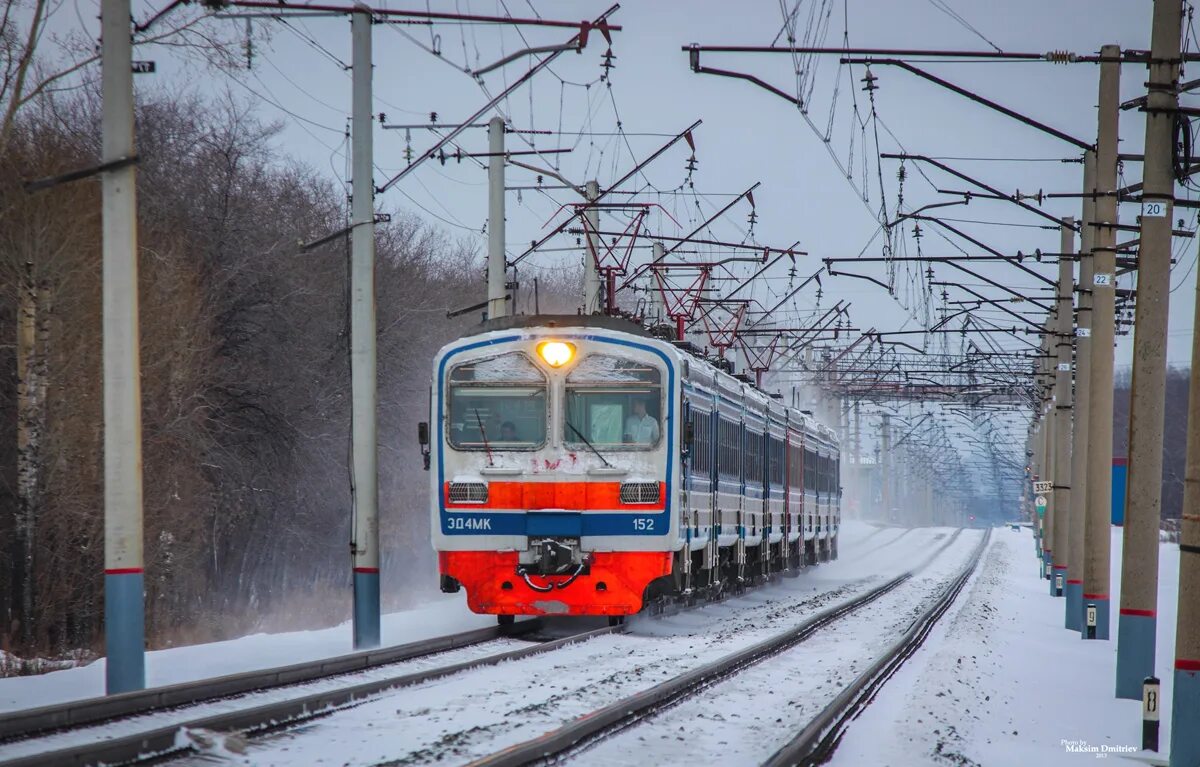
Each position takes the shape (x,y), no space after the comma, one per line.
(1001,682)
(442,615)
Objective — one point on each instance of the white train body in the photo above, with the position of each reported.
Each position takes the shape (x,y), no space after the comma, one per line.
(627,470)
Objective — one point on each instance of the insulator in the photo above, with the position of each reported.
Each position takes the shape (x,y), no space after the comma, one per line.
(433,117)
(1061,57)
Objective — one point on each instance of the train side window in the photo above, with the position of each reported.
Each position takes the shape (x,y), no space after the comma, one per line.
(498,403)
(700,452)
(754,457)
(775,458)
(810,471)
(729,458)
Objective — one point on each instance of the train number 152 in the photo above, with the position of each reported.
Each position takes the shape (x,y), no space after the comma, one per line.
(643,523)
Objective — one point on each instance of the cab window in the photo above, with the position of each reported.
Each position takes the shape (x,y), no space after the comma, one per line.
(497,403)
(613,402)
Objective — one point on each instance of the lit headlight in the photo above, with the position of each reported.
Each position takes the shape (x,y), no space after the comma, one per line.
(556,353)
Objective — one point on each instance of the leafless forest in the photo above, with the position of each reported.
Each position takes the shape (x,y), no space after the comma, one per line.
(245,380)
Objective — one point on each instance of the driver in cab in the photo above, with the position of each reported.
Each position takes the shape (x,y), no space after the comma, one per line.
(641,428)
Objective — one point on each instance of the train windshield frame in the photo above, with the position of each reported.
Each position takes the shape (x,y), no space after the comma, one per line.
(599,396)
(497,403)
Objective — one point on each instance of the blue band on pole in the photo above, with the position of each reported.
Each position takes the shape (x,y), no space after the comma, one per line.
(1135,653)
(366,609)
(1074,594)
(1185,737)
(124,632)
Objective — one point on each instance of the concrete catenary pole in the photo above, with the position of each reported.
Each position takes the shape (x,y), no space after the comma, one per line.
(1063,324)
(1048,440)
(1076,532)
(1099,488)
(124,609)
(496,264)
(658,309)
(591,275)
(1137,621)
(885,467)
(365,545)
(1185,735)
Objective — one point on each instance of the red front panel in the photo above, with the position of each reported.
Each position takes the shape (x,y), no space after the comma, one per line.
(614,586)
(572,496)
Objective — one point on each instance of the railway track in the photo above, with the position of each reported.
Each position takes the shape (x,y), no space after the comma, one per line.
(157,741)
(815,742)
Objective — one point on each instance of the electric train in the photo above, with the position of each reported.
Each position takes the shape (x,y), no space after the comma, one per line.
(580,466)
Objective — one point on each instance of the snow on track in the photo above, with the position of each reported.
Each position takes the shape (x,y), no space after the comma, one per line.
(455,719)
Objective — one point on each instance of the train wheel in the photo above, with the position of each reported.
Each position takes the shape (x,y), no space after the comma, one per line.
(506,620)
(616,620)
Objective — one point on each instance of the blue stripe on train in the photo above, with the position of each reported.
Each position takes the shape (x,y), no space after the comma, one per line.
(558,524)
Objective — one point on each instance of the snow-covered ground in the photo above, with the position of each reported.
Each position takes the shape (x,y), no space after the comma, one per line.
(455,719)
(444,614)
(1001,682)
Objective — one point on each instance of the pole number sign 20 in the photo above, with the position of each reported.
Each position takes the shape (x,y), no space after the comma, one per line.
(1154,208)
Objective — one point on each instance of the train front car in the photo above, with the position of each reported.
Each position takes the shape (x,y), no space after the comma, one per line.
(554,466)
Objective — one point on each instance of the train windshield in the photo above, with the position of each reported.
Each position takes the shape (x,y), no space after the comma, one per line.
(613,403)
(497,404)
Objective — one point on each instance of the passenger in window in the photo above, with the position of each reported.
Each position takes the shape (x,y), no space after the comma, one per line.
(641,428)
(508,432)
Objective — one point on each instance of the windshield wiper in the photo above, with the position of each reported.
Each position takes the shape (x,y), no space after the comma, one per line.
(483,433)
(591,447)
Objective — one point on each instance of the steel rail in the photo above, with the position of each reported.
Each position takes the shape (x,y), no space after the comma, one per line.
(597,725)
(817,742)
(159,742)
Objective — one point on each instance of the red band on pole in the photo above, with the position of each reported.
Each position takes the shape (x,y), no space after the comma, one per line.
(1061,567)
(366,570)
(1183,664)
(1096,596)
(1076,581)
(1132,611)
(123,571)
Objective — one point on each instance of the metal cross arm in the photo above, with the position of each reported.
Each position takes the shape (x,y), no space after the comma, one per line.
(601,24)
(1063,57)
(987,188)
(973,97)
